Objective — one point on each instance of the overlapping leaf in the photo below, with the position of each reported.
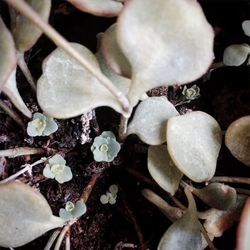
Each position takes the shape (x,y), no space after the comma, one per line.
(150,120)
(24,215)
(25,33)
(166,42)
(7,52)
(162,169)
(237,139)
(185,232)
(107,8)
(194,142)
(66,89)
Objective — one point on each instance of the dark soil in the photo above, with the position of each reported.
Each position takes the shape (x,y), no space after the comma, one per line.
(226,96)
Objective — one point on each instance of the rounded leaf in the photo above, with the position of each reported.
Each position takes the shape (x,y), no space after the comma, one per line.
(66,89)
(24,215)
(7,52)
(150,120)
(237,139)
(106,8)
(167,42)
(246,27)
(113,54)
(25,33)
(162,169)
(194,142)
(236,54)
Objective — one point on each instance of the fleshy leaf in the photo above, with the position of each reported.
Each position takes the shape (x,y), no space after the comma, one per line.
(7,52)
(66,89)
(150,120)
(162,169)
(185,232)
(246,27)
(106,8)
(80,209)
(218,221)
(24,215)
(194,142)
(10,89)
(113,54)
(243,239)
(25,33)
(237,139)
(217,195)
(167,42)
(236,54)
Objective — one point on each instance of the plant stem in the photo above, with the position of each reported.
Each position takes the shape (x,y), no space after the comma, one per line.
(28,167)
(61,42)
(52,239)
(172,213)
(87,190)
(231,179)
(12,114)
(94,123)
(243,191)
(209,242)
(123,128)
(23,66)
(15,152)
(67,241)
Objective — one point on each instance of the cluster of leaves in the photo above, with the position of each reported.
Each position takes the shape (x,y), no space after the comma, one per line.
(179,145)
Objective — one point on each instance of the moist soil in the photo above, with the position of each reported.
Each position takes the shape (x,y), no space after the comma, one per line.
(133,222)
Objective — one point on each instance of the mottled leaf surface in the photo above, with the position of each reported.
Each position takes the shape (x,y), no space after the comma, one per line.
(167,42)
(162,169)
(66,89)
(150,120)
(194,142)
(24,215)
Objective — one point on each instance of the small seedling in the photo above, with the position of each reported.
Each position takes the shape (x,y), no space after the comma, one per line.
(110,196)
(191,93)
(105,147)
(72,211)
(41,125)
(56,169)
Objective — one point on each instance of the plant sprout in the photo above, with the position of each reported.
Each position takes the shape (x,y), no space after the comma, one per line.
(191,93)
(41,125)
(56,169)
(105,147)
(72,210)
(110,196)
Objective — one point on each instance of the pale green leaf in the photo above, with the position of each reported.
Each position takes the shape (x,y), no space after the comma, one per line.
(66,89)
(150,120)
(162,169)
(246,27)
(167,42)
(237,139)
(106,8)
(24,215)
(194,142)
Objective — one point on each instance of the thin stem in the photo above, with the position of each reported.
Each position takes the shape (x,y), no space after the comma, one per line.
(12,114)
(23,66)
(94,123)
(15,152)
(172,213)
(60,41)
(67,241)
(87,190)
(63,233)
(243,191)
(217,65)
(123,128)
(28,167)
(231,179)
(52,239)
(209,242)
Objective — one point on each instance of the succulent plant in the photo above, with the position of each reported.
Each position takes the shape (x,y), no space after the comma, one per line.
(56,169)
(72,210)
(192,92)
(41,125)
(110,196)
(105,147)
